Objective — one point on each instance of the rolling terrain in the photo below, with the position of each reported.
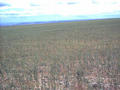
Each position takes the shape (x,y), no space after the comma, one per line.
(82,55)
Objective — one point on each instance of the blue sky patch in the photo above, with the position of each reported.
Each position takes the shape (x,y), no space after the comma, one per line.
(3,4)
(71,3)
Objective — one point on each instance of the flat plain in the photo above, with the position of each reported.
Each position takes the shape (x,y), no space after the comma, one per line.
(81,55)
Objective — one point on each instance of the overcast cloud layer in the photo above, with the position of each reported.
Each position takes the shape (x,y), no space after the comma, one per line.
(47,10)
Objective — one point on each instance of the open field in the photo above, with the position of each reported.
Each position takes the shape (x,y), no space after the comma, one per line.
(81,55)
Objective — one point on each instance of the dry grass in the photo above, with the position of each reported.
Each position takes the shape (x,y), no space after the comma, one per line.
(61,56)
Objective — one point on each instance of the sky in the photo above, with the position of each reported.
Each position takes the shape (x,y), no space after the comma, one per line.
(22,11)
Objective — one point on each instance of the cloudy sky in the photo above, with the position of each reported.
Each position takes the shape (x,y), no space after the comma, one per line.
(50,10)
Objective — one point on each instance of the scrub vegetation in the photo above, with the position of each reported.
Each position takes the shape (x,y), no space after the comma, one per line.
(83,55)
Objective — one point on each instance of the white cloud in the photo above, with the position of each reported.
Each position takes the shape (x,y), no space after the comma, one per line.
(62,7)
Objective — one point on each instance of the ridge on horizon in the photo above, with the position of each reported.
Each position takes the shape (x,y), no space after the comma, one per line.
(53,21)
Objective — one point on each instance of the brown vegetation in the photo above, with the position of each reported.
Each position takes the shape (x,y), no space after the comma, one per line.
(61,56)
